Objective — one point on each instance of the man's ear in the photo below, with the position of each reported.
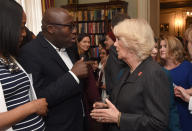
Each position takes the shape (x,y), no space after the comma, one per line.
(51,29)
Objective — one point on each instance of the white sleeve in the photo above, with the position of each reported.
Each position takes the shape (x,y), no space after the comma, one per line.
(190,105)
(3,107)
(32,94)
(74,76)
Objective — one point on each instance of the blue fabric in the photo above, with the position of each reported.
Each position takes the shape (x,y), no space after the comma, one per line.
(120,74)
(182,76)
(174,123)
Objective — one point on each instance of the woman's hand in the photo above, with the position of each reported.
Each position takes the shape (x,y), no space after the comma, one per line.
(189,91)
(40,106)
(99,105)
(109,115)
(181,93)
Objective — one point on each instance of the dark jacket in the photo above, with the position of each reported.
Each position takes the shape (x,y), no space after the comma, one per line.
(53,81)
(112,68)
(143,98)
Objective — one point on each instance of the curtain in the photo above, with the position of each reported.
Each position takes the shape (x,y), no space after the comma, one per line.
(47,4)
(33,10)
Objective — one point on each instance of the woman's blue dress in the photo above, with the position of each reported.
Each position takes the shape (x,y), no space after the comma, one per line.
(182,76)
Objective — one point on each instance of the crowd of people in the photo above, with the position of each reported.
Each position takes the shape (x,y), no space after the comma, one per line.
(50,82)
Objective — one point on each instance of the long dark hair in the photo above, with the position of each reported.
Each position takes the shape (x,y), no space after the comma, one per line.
(81,36)
(10,27)
(86,54)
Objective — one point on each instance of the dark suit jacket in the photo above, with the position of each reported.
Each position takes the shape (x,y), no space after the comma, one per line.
(143,98)
(112,70)
(53,82)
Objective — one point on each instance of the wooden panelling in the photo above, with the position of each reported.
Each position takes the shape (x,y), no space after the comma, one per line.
(177,4)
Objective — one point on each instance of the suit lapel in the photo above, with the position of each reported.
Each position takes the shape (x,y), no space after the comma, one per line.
(122,80)
(129,78)
(138,71)
(53,53)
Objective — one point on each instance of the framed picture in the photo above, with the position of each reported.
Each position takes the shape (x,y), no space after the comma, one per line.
(164,27)
(188,22)
(73,1)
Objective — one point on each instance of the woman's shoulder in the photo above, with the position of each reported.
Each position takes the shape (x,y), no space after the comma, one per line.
(152,68)
(186,65)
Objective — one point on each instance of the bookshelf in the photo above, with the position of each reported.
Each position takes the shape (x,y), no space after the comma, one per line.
(94,19)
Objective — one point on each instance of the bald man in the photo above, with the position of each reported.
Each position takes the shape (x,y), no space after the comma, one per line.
(56,74)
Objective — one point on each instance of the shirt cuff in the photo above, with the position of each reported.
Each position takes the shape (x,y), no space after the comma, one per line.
(190,104)
(74,76)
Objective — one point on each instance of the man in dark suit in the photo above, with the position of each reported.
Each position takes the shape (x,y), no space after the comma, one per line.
(55,74)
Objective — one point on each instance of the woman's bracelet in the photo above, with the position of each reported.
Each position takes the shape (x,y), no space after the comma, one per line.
(118,120)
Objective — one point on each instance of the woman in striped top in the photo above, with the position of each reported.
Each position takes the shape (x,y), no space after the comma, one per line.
(18,111)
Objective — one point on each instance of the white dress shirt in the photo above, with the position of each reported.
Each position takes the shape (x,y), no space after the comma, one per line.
(64,56)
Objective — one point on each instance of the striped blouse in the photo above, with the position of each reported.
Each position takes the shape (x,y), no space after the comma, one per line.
(16,92)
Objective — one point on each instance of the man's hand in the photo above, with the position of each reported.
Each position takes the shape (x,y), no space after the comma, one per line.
(80,69)
(40,106)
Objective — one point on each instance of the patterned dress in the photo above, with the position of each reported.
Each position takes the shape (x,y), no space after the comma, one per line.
(16,92)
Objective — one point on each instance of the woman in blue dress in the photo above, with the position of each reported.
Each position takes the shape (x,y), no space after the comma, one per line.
(173,59)
(18,108)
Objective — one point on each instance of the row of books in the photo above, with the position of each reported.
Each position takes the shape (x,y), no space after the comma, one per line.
(91,15)
(94,15)
(94,27)
(94,52)
(112,12)
(96,39)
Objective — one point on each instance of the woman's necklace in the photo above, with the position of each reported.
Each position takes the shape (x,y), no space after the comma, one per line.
(9,63)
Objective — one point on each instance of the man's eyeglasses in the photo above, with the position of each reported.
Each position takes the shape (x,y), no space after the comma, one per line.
(71,25)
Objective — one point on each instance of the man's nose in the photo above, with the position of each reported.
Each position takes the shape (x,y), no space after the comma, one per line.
(74,31)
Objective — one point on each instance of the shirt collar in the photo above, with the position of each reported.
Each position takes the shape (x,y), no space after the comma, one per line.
(57,49)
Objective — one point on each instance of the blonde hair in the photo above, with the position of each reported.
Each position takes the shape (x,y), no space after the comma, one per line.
(137,36)
(175,48)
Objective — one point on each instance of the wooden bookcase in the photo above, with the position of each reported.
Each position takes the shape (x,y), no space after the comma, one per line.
(94,19)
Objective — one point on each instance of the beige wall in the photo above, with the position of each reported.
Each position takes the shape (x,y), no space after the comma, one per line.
(58,3)
(132,8)
(143,9)
(154,16)
(150,10)
(170,17)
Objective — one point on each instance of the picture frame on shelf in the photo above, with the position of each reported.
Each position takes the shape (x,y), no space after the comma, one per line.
(164,27)
(188,22)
